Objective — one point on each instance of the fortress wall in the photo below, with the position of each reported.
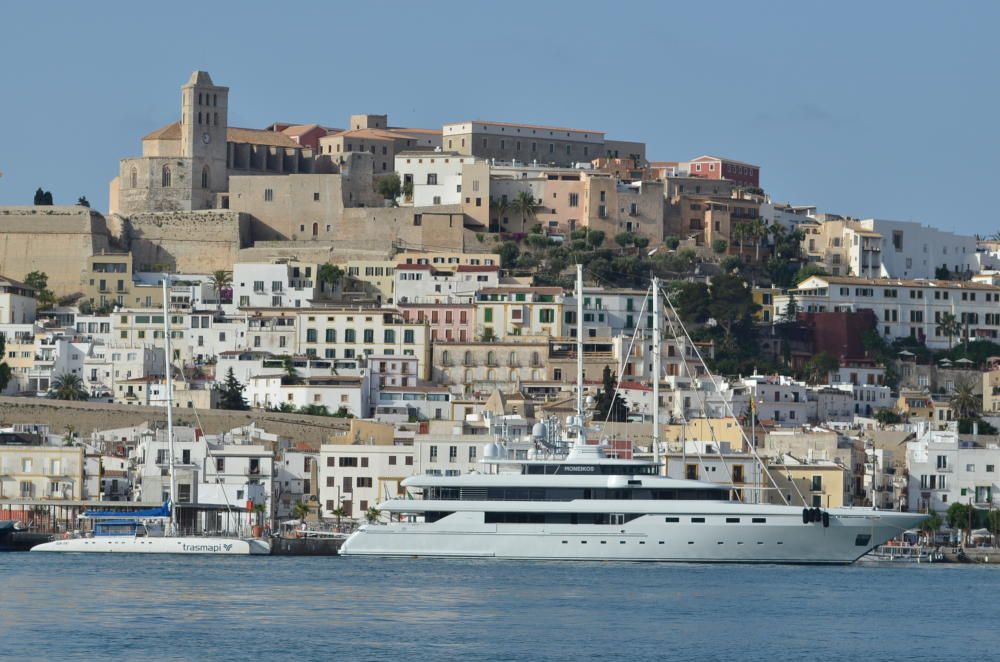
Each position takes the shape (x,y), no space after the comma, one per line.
(54,239)
(186,241)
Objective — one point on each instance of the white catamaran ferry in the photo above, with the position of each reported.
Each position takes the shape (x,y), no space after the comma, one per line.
(152,531)
(570,501)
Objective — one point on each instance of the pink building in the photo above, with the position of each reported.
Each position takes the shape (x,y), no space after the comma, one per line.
(714,167)
(449,322)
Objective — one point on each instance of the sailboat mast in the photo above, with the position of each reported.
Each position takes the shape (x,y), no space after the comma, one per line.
(170,398)
(579,349)
(656,372)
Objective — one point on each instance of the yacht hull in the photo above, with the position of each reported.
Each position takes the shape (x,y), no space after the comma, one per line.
(783,538)
(155,545)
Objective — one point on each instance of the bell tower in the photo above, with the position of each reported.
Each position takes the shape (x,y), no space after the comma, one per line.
(204,118)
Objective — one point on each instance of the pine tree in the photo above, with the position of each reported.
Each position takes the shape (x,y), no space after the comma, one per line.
(231,393)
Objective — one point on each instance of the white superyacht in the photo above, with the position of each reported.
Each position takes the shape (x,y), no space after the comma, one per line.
(569,501)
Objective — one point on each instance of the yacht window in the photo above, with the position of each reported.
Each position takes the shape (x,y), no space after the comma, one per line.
(759,520)
(671,520)
(732,520)
(697,520)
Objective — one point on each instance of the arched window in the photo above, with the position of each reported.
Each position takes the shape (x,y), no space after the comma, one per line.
(534,358)
(513,375)
(468,358)
(468,379)
(445,357)
(204,177)
(166,176)
(491,358)
(512,359)
(315,229)
(133,178)
(491,376)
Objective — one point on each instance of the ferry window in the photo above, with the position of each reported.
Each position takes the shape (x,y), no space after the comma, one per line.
(759,520)
(671,520)
(732,520)
(697,520)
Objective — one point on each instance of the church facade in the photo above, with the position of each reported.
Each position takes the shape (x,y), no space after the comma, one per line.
(186,165)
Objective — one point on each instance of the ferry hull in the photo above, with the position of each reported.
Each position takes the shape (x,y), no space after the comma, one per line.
(784,539)
(155,545)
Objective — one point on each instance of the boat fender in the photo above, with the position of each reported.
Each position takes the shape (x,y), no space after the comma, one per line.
(826,519)
(814,515)
(806,517)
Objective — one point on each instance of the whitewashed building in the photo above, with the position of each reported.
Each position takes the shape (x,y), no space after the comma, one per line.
(436,177)
(904,308)
(945,468)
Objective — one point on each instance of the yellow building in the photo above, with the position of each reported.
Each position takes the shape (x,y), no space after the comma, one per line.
(722,430)
(991,392)
(764,297)
(374,278)
(821,484)
(507,311)
(41,472)
(107,281)
(915,406)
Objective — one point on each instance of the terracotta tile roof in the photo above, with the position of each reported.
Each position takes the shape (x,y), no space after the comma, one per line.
(298,129)
(259,137)
(168,132)
(233,135)
(373,134)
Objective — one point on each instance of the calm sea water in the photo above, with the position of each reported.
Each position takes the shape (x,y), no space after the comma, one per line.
(125,607)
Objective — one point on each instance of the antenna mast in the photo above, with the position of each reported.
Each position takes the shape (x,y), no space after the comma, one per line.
(170,401)
(656,372)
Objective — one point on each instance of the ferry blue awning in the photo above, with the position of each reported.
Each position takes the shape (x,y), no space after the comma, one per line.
(162,511)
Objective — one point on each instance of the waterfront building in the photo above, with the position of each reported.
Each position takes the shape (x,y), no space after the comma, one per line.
(904,308)
(30,469)
(946,467)
(359,469)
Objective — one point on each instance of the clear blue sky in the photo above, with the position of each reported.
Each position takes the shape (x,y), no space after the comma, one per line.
(885,109)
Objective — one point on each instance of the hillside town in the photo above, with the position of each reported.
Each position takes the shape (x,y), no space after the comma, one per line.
(407,295)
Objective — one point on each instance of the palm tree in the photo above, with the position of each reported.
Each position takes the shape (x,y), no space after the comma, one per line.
(964,401)
(339,513)
(950,326)
(68,386)
(300,510)
(737,234)
(778,233)
(220,280)
(372,514)
(498,207)
(758,230)
(527,206)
